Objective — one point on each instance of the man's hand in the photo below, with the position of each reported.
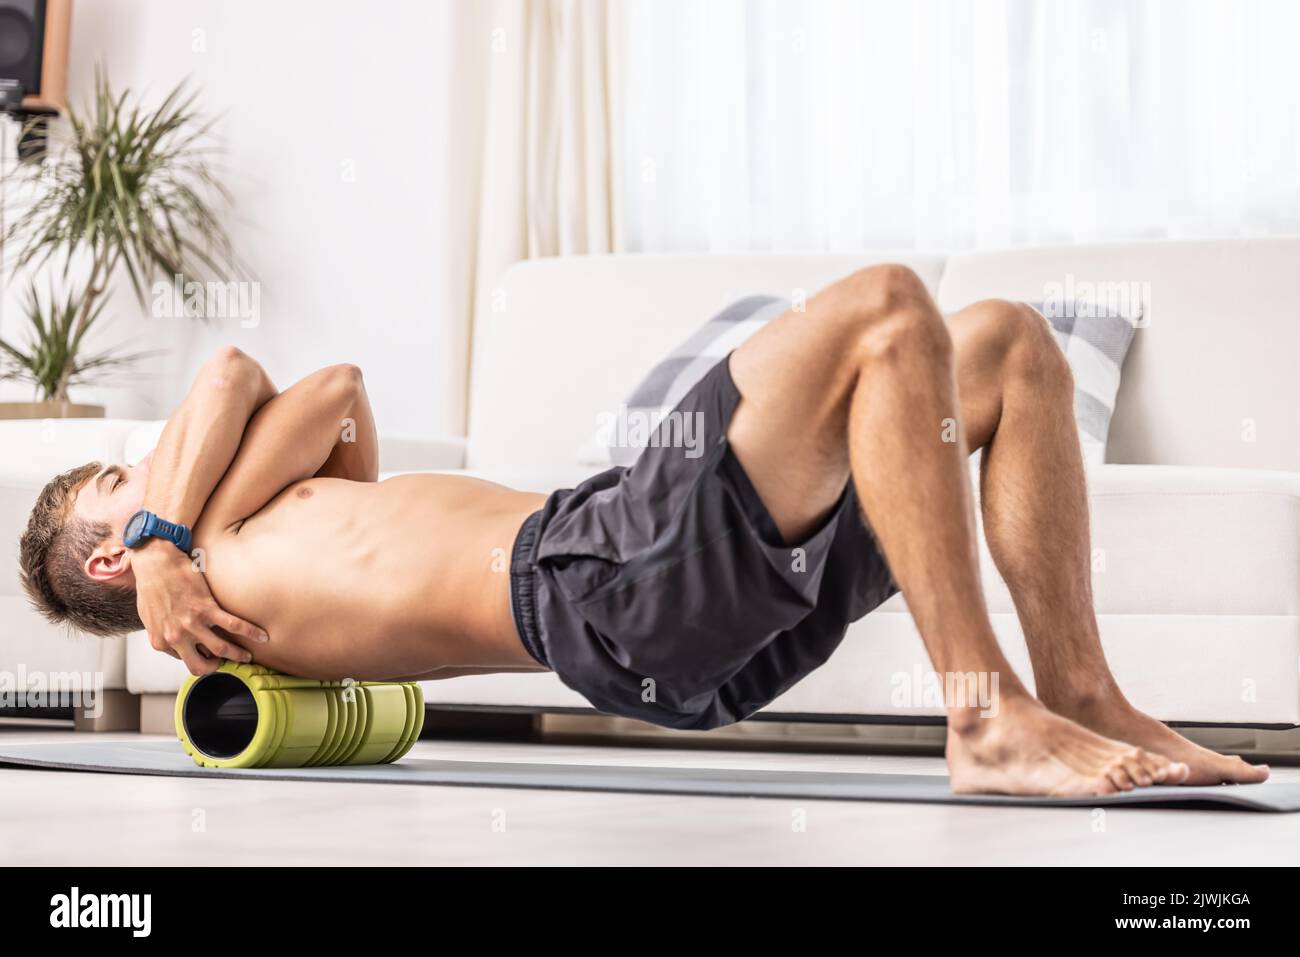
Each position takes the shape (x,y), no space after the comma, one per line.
(179,612)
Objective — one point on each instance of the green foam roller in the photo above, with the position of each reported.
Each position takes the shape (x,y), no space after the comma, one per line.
(247,716)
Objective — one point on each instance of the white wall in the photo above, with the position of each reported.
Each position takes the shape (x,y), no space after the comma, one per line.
(335,130)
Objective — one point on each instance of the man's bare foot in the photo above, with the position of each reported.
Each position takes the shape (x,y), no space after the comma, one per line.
(1026,749)
(1111,715)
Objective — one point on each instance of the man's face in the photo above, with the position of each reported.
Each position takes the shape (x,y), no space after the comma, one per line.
(111,497)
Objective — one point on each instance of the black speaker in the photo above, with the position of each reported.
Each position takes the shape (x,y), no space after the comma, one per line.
(34,53)
(22,44)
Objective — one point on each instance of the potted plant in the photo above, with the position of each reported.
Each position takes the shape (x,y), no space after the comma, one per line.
(125,189)
(53,360)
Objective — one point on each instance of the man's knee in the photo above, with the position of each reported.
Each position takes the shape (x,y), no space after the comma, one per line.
(1035,354)
(916,334)
(878,290)
(1020,340)
(887,314)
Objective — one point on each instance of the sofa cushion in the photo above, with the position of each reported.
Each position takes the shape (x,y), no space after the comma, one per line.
(149,671)
(1095,338)
(1198,669)
(547,368)
(1093,335)
(1210,379)
(1170,540)
(30,645)
(628,430)
(142,440)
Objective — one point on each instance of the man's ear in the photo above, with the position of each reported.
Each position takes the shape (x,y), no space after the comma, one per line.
(108,562)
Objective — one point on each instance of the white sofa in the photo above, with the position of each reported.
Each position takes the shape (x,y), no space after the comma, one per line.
(1196,515)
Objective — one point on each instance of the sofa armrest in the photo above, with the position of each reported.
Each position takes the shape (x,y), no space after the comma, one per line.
(418,453)
(35,450)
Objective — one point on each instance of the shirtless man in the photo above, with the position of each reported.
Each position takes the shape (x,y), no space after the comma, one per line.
(689,590)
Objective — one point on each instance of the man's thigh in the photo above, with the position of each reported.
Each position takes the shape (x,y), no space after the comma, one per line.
(791,426)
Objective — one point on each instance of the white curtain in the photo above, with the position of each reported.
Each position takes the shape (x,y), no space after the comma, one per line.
(950,124)
(535,165)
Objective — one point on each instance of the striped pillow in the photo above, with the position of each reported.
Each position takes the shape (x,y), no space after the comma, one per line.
(1094,338)
(626,433)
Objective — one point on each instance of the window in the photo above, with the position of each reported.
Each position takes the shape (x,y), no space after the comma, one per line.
(957,124)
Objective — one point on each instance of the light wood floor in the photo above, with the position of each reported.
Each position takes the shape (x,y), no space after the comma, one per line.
(54,817)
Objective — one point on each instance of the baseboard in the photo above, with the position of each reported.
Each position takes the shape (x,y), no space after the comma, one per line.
(480,725)
(1275,746)
(766,735)
(37,713)
(1255,744)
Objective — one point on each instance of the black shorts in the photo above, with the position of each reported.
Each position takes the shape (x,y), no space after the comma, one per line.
(664,591)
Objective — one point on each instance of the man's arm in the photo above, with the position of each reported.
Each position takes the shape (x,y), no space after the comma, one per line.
(197,446)
(203,435)
(293,437)
(356,451)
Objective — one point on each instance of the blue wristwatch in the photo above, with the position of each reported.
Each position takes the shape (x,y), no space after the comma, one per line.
(144,525)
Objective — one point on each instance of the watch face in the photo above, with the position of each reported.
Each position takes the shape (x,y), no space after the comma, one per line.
(134,526)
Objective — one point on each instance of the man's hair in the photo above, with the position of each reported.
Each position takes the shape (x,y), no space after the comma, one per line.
(52,555)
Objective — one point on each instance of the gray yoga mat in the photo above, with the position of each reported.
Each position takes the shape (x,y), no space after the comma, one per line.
(167,758)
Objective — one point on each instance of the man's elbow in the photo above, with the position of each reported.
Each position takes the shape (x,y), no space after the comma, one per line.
(232,368)
(347,372)
(346,378)
(229,357)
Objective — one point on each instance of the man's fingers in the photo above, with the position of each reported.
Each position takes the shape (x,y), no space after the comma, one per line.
(161,645)
(165,641)
(218,646)
(238,627)
(198,665)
